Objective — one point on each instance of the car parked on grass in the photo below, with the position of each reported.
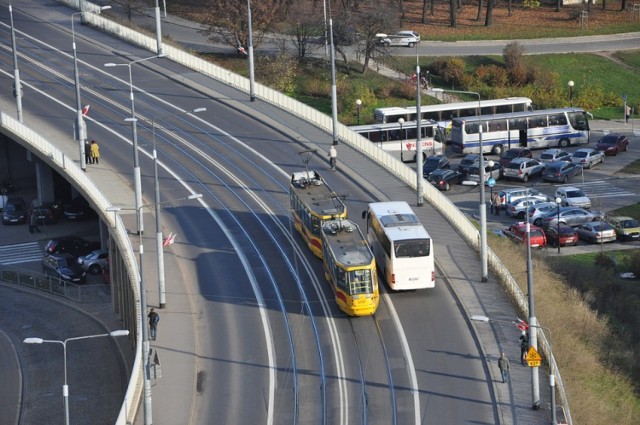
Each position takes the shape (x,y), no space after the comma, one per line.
(537,211)
(519,207)
(443,179)
(554,155)
(518,233)
(573,197)
(572,216)
(63,267)
(587,157)
(596,232)
(612,143)
(401,38)
(626,228)
(95,261)
(561,171)
(565,236)
(74,245)
(15,211)
(513,153)
(435,162)
(523,169)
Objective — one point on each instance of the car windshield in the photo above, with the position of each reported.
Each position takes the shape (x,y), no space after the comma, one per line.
(513,166)
(608,140)
(546,156)
(511,154)
(575,194)
(580,154)
(629,224)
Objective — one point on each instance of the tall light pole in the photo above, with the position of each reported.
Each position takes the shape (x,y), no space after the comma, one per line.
(483,204)
(252,92)
(65,387)
(17,87)
(419,160)
(134,131)
(81,127)
(148,411)
(570,84)
(533,322)
(558,202)
(159,29)
(156,185)
(334,95)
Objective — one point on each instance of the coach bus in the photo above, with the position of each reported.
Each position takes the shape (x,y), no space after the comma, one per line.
(536,129)
(401,245)
(350,267)
(445,112)
(312,203)
(402,137)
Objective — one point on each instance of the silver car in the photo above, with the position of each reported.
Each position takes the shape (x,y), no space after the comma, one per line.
(523,168)
(401,38)
(95,261)
(587,157)
(537,212)
(596,232)
(519,206)
(571,216)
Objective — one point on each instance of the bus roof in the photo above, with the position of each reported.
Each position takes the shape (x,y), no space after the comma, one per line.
(523,114)
(347,243)
(456,105)
(311,189)
(399,220)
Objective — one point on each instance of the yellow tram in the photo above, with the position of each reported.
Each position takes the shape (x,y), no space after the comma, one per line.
(312,203)
(350,267)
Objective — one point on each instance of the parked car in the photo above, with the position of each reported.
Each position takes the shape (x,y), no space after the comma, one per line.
(78,210)
(494,171)
(64,267)
(537,211)
(627,228)
(443,179)
(518,233)
(15,212)
(510,194)
(467,162)
(523,169)
(95,261)
(47,213)
(73,245)
(571,216)
(611,144)
(561,172)
(587,157)
(401,38)
(513,153)
(565,237)
(554,155)
(519,207)
(596,232)
(435,162)
(573,197)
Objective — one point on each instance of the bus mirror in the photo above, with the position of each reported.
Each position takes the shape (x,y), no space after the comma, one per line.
(364,214)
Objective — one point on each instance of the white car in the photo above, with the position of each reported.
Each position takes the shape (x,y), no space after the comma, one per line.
(401,38)
(573,197)
(587,157)
(554,155)
(519,206)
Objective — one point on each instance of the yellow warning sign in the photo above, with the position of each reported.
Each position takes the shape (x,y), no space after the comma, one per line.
(533,357)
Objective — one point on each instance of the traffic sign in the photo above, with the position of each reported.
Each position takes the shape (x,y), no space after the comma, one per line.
(533,358)
(491,182)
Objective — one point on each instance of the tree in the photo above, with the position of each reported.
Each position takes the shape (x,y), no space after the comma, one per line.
(487,22)
(226,20)
(370,23)
(307,25)
(452,13)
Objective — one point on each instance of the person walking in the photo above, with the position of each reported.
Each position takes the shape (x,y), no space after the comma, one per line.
(87,153)
(495,202)
(333,158)
(154,318)
(627,113)
(503,365)
(524,347)
(33,222)
(95,152)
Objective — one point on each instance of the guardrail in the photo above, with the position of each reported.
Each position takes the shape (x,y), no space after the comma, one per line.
(440,202)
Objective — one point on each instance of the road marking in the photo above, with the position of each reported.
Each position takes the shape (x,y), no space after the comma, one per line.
(602,189)
(20,253)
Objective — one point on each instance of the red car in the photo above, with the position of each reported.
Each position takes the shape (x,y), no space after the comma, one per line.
(518,232)
(611,144)
(568,236)
(513,153)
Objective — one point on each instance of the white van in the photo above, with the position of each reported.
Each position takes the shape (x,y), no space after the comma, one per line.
(573,197)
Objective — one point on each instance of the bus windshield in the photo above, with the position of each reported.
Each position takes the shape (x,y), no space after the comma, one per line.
(412,248)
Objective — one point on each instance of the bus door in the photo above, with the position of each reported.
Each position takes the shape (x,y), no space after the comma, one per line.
(523,137)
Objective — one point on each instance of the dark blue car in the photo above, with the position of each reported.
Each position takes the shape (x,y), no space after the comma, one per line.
(561,171)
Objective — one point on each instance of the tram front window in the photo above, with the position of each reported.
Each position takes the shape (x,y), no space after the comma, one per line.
(360,282)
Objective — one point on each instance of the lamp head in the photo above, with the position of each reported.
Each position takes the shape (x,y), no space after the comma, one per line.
(33,340)
(570,83)
(358,102)
(401,121)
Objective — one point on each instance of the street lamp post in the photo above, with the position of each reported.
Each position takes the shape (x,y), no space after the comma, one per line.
(81,127)
(65,387)
(17,87)
(252,94)
(158,29)
(134,132)
(156,186)
(483,204)
(358,108)
(533,322)
(558,202)
(148,412)
(570,84)
(334,95)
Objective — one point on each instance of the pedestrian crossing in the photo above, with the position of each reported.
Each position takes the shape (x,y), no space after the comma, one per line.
(602,189)
(20,253)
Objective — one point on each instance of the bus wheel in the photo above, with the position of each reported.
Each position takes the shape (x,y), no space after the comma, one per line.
(497,150)
(564,143)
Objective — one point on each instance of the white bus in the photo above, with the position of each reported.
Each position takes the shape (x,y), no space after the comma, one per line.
(536,129)
(443,113)
(397,137)
(401,245)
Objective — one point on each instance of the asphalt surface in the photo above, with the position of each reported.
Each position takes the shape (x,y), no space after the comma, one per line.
(459,268)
